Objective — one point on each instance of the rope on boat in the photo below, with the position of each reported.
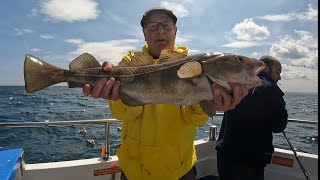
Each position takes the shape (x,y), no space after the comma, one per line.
(296,156)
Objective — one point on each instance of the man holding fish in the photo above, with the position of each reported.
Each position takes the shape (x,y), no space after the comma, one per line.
(158,139)
(163,97)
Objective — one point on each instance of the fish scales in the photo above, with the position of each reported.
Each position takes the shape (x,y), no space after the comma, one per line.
(183,81)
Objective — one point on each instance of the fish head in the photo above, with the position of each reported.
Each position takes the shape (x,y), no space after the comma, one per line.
(233,69)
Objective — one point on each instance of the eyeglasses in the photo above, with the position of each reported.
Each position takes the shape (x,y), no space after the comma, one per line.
(153,26)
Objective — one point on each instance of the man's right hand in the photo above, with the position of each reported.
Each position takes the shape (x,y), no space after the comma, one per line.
(105,88)
(223,100)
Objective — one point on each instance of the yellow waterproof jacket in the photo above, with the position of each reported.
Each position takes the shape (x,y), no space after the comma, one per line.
(157,139)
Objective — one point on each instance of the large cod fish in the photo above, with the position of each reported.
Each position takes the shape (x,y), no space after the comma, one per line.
(177,79)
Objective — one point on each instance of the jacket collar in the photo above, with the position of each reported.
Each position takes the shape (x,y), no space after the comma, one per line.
(267,77)
(180,49)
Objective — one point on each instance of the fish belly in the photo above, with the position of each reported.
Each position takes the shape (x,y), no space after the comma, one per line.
(162,88)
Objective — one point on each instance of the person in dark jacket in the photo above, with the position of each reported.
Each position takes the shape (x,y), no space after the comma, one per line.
(244,146)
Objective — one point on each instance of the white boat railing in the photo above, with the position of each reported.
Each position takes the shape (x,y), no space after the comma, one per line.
(289,119)
(48,123)
(106,122)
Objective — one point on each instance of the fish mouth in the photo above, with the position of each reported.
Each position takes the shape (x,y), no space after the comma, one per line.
(254,80)
(258,70)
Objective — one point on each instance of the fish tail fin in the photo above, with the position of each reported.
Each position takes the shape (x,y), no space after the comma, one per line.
(39,74)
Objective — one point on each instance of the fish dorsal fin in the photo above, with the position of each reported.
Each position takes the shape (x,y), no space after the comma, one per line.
(84,61)
(190,69)
(169,55)
(223,83)
(138,58)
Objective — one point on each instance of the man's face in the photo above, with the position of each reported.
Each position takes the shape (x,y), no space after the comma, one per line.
(275,71)
(160,38)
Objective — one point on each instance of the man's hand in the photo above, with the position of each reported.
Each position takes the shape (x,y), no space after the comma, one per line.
(106,89)
(223,100)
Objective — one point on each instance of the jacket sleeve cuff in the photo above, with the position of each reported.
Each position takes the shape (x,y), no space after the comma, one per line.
(194,115)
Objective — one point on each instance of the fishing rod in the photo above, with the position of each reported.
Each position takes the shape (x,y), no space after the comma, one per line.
(296,155)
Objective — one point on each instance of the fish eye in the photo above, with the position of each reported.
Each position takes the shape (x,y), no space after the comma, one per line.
(239,59)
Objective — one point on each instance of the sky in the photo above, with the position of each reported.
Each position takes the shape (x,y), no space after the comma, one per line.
(57,31)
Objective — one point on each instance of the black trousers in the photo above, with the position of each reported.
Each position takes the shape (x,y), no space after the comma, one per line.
(191,175)
(233,170)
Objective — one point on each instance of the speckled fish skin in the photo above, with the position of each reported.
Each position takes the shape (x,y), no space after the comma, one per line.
(153,84)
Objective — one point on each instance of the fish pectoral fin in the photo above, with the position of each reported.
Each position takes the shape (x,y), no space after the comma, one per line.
(84,61)
(189,70)
(222,83)
(138,58)
(208,107)
(169,55)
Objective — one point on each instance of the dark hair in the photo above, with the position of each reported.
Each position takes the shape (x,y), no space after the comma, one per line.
(268,60)
(157,9)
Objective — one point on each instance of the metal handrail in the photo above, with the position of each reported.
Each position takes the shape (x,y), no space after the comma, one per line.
(106,156)
(289,119)
(56,123)
(99,121)
(302,121)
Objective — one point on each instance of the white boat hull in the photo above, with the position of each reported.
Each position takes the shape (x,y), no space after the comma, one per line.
(284,166)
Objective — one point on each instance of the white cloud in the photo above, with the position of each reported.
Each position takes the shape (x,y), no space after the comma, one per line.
(75,41)
(22,31)
(278,17)
(241,44)
(192,8)
(247,34)
(255,55)
(248,30)
(291,72)
(35,50)
(70,10)
(112,50)
(46,36)
(178,9)
(302,50)
(298,79)
(310,15)
(189,1)
(307,37)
